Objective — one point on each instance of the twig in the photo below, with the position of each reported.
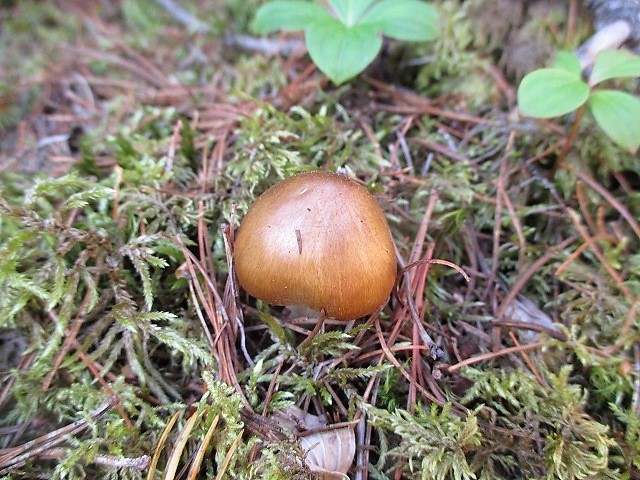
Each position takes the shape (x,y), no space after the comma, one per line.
(362,452)
(133,67)
(600,256)
(171,154)
(430,261)
(328,428)
(628,322)
(502,83)
(371,136)
(607,196)
(272,387)
(137,463)
(497,231)
(401,143)
(25,362)
(315,330)
(435,352)
(396,348)
(490,355)
(396,363)
(415,104)
(9,458)
(527,360)
(227,237)
(196,305)
(571,21)
(104,384)
(532,326)
(265,409)
(418,243)
(436,147)
(636,392)
(69,338)
(578,251)
(183,16)
(266,46)
(582,201)
(527,274)
(225,361)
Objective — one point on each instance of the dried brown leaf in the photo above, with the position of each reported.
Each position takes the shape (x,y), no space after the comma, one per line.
(330,452)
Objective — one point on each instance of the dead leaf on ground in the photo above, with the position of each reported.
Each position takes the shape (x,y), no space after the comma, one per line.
(330,452)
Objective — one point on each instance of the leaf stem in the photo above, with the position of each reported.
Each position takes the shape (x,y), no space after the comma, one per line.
(569,141)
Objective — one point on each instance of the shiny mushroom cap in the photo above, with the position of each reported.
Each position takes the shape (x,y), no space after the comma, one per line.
(319,240)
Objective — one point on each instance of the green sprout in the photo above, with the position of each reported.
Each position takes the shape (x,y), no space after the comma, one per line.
(556,91)
(345,38)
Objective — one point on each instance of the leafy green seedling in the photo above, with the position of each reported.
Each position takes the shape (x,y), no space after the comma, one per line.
(555,91)
(345,37)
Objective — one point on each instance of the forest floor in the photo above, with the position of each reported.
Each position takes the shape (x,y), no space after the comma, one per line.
(132,142)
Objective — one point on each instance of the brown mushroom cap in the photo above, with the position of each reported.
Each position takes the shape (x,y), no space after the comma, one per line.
(318,240)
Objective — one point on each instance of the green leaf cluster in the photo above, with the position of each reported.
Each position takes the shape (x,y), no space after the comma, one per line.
(274,144)
(431,442)
(92,255)
(555,91)
(631,453)
(575,444)
(344,39)
(310,369)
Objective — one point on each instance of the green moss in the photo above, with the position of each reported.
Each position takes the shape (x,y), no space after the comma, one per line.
(94,252)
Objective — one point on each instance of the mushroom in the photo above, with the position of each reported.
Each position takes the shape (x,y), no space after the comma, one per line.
(317,240)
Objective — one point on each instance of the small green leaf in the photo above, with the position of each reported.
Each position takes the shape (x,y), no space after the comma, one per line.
(342,52)
(288,15)
(618,114)
(409,20)
(569,62)
(614,64)
(551,92)
(349,11)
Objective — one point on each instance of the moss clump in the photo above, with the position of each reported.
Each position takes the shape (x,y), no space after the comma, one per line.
(115,263)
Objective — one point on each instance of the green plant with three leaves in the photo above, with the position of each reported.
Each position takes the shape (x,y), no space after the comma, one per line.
(345,37)
(560,89)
